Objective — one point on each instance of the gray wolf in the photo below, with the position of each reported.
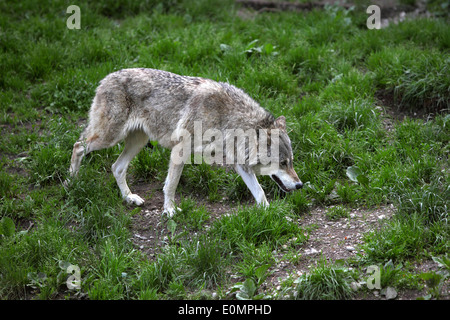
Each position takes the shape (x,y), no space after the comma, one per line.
(140,104)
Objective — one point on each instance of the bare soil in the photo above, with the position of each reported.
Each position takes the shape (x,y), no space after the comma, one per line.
(149,227)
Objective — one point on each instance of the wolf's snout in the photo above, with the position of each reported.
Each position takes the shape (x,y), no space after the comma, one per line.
(298,185)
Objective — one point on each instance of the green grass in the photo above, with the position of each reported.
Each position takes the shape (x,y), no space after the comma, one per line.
(321,69)
(198,263)
(337,212)
(404,238)
(407,72)
(325,282)
(272,226)
(189,213)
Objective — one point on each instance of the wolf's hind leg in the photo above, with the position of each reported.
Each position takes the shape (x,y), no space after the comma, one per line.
(134,142)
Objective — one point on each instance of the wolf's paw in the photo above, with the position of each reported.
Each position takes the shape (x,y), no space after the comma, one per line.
(134,199)
(169,211)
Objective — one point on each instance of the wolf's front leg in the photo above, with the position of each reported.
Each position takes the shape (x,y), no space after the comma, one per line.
(170,186)
(252,183)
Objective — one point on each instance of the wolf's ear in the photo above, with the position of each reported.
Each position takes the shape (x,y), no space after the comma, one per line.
(280,123)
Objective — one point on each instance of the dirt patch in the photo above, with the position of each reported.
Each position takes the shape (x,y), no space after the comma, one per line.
(149,226)
(340,239)
(332,240)
(395,111)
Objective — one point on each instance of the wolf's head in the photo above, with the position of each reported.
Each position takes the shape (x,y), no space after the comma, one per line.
(280,168)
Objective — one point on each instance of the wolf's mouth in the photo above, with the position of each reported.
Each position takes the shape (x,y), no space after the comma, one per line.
(280,184)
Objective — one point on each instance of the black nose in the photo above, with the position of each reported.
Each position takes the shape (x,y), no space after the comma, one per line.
(299,185)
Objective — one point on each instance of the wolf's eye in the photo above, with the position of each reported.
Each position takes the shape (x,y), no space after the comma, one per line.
(284,162)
